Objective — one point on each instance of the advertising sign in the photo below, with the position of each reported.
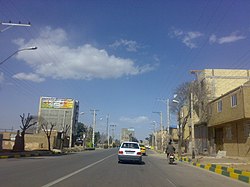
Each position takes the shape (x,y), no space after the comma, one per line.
(56,103)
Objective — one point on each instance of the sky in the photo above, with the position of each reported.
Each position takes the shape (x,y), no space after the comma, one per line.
(116,56)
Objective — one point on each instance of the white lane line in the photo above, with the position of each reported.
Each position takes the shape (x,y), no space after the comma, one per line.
(75,172)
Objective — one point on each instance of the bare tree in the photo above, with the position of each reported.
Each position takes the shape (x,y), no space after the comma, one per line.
(202,96)
(64,134)
(200,99)
(182,99)
(26,124)
(47,128)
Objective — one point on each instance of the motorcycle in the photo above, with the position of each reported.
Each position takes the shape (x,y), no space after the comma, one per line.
(171,158)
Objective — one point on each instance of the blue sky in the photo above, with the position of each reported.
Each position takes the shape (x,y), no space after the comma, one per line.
(115,56)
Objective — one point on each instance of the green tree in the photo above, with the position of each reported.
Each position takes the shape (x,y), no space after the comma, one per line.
(97,137)
(81,129)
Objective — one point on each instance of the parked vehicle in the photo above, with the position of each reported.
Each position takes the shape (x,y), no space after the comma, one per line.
(143,149)
(130,152)
(79,142)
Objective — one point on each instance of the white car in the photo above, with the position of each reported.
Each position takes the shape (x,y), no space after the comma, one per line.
(130,151)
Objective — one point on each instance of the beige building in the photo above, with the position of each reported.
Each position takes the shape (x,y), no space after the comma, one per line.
(229,121)
(32,141)
(212,84)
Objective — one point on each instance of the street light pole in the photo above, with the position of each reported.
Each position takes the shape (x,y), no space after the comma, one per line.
(94,124)
(108,129)
(161,131)
(192,125)
(166,101)
(24,49)
(10,25)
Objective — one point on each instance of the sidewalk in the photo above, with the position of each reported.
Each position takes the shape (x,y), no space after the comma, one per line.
(11,154)
(234,167)
(240,163)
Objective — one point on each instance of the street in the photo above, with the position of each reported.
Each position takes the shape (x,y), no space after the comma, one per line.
(100,168)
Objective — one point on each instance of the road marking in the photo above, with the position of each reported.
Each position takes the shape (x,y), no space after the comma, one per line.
(75,172)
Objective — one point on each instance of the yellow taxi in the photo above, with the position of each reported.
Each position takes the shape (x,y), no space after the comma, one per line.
(143,149)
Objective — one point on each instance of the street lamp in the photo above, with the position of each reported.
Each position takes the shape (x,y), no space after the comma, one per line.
(180,127)
(154,137)
(161,131)
(19,50)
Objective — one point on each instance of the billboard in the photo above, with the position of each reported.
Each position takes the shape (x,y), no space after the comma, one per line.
(56,103)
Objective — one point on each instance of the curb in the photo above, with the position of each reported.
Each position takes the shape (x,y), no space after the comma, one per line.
(243,176)
(28,155)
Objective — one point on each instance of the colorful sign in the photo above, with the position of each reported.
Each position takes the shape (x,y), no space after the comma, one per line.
(56,103)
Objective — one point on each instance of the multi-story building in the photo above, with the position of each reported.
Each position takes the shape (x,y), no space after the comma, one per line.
(229,121)
(127,134)
(213,83)
(63,112)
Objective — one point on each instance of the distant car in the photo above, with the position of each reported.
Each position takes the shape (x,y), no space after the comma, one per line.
(143,149)
(79,142)
(130,152)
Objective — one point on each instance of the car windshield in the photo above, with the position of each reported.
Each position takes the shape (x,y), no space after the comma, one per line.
(130,145)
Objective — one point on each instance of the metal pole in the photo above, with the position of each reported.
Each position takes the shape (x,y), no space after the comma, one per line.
(10,25)
(108,129)
(161,132)
(93,134)
(24,49)
(63,135)
(192,125)
(168,116)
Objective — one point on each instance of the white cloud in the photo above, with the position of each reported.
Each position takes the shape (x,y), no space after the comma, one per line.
(212,39)
(226,39)
(136,120)
(29,77)
(55,58)
(129,45)
(188,38)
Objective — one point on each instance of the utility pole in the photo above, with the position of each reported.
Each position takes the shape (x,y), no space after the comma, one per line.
(94,124)
(192,125)
(113,132)
(108,129)
(154,136)
(161,131)
(166,101)
(10,25)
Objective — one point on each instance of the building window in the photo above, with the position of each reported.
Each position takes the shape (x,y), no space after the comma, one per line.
(247,129)
(229,135)
(234,100)
(219,106)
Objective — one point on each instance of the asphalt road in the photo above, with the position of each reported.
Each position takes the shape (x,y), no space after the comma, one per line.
(100,169)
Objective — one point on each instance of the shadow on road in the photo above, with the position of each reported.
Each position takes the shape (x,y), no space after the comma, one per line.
(132,163)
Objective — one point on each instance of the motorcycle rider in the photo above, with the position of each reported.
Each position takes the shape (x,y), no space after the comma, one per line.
(170,148)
